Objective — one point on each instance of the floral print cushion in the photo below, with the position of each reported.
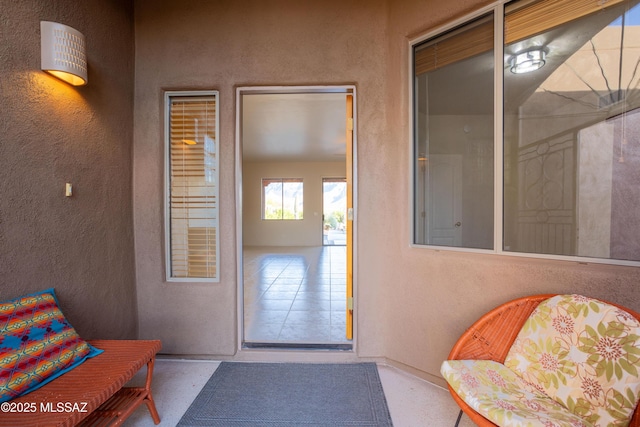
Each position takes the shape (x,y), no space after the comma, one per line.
(498,394)
(583,353)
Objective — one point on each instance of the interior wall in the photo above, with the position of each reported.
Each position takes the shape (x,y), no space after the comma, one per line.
(443,292)
(223,45)
(470,137)
(305,232)
(52,133)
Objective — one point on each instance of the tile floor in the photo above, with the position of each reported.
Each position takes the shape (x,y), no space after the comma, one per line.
(412,402)
(295,295)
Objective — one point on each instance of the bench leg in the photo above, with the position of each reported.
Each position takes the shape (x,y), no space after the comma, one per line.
(151,405)
(152,409)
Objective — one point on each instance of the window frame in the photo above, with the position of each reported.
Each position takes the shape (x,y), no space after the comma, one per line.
(263,197)
(452,28)
(498,10)
(167,99)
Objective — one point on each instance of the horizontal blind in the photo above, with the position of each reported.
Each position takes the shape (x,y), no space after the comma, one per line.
(526,19)
(193,199)
(523,19)
(463,43)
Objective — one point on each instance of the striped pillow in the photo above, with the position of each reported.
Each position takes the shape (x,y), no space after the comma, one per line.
(37,344)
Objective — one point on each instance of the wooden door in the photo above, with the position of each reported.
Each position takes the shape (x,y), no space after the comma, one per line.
(349,221)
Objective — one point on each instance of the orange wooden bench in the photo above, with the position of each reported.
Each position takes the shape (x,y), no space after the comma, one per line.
(93,393)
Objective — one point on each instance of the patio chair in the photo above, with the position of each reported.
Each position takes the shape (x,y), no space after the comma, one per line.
(491,339)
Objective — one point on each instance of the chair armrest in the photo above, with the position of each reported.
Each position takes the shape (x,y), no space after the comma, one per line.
(491,336)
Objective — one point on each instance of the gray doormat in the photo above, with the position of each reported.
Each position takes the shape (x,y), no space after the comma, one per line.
(290,394)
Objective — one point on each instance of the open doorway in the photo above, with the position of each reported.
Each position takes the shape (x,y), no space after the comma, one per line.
(294,291)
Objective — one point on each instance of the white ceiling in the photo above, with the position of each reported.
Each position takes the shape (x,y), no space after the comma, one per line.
(294,127)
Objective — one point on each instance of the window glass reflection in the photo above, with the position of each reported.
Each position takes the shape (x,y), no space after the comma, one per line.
(453,146)
(572,136)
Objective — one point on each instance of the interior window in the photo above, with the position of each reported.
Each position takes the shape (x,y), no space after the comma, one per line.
(453,144)
(282,198)
(568,103)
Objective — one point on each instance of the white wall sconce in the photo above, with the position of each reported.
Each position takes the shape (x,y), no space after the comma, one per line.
(63,52)
(526,62)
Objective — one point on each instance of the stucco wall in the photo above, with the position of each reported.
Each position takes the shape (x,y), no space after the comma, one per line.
(442,293)
(305,232)
(222,45)
(411,303)
(52,133)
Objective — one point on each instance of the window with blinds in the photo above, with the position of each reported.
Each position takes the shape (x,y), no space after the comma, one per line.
(557,117)
(453,146)
(192,186)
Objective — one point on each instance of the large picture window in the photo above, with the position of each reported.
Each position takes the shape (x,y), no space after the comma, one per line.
(192,186)
(567,138)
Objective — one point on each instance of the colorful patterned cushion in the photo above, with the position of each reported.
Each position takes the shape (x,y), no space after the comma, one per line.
(583,353)
(37,344)
(498,394)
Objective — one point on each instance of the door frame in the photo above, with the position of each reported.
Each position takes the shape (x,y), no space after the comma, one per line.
(347,90)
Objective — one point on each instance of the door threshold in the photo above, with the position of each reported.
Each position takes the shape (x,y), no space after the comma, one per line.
(297,346)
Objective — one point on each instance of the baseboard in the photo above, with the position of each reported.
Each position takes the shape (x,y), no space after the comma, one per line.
(435,380)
